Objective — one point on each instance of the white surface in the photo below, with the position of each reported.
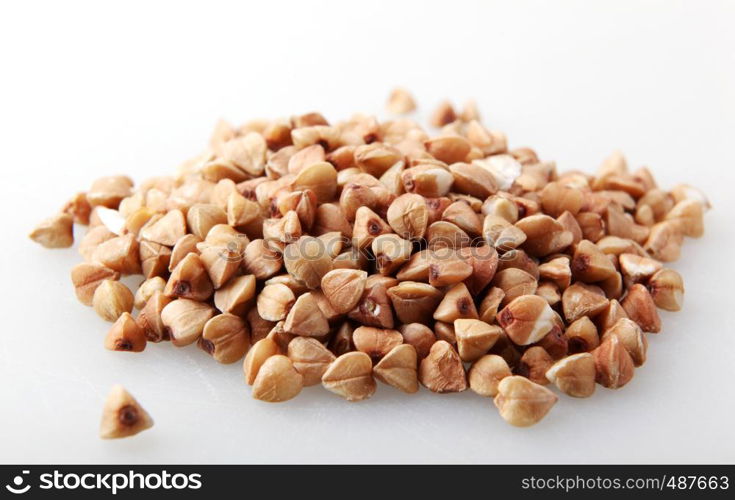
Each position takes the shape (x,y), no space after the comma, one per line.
(91,89)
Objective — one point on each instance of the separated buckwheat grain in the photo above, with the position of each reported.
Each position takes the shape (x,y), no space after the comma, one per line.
(341,253)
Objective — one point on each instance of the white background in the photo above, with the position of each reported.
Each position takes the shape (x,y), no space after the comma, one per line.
(96,88)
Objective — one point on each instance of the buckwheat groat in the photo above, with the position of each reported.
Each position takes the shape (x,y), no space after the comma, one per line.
(344,252)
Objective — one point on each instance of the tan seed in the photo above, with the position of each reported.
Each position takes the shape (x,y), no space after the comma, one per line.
(125,335)
(613,364)
(574,375)
(350,376)
(184,320)
(667,289)
(111,299)
(442,371)
(398,368)
(475,338)
(122,415)
(277,380)
(523,403)
(310,358)
(226,338)
(486,373)
(305,318)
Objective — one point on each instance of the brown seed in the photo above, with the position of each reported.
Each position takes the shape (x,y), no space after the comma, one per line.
(527,319)
(442,371)
(484,262)
(376,158)
(274,302)
(582,336)
(632,337)
(534,364)
(574,375)
(443,114)
(310,358)
(558,271)
(236,295)
(589,264)
(490,142)
(414,302)
(329,217)
(79,208)
(428,179)
(246,152)
(376,342)
(523,403)
(111,299)
(475,338)
(685,192)
(147,289)
(109,191)
(368,226)
(569,223)
(260,260)
(557,198)
(400,102)
(613,364)
(592,225)
(486,373)
(277,380)
(154,259)
(344,288)
(641,308)
(55,232)
(184,320)
(420,336)
(184,246)
(408,215)
(457,303)
(125,335)
(190,280)
(122,415)
(447,268)
(667,289)
(374,308)
(689,214)
(305,318)
(490,303)
(150,320)
(281,231)
(256,356)
(119,254)
(90,241)
(445,331)
(308,260)
(544,235)
(608,317)
(514,283)
(636,268)
(473,180)
(226,338)
(501,234)
(398,368)
(320,177)
(350,376)
(166,230)
(664,241)
(449,149)
(87,277)
(390,252)
(583,300)
(501,206)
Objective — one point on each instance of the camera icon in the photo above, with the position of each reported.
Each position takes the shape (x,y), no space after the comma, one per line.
(17,487)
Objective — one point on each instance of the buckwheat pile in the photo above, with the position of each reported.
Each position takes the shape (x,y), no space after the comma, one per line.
(344,253)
